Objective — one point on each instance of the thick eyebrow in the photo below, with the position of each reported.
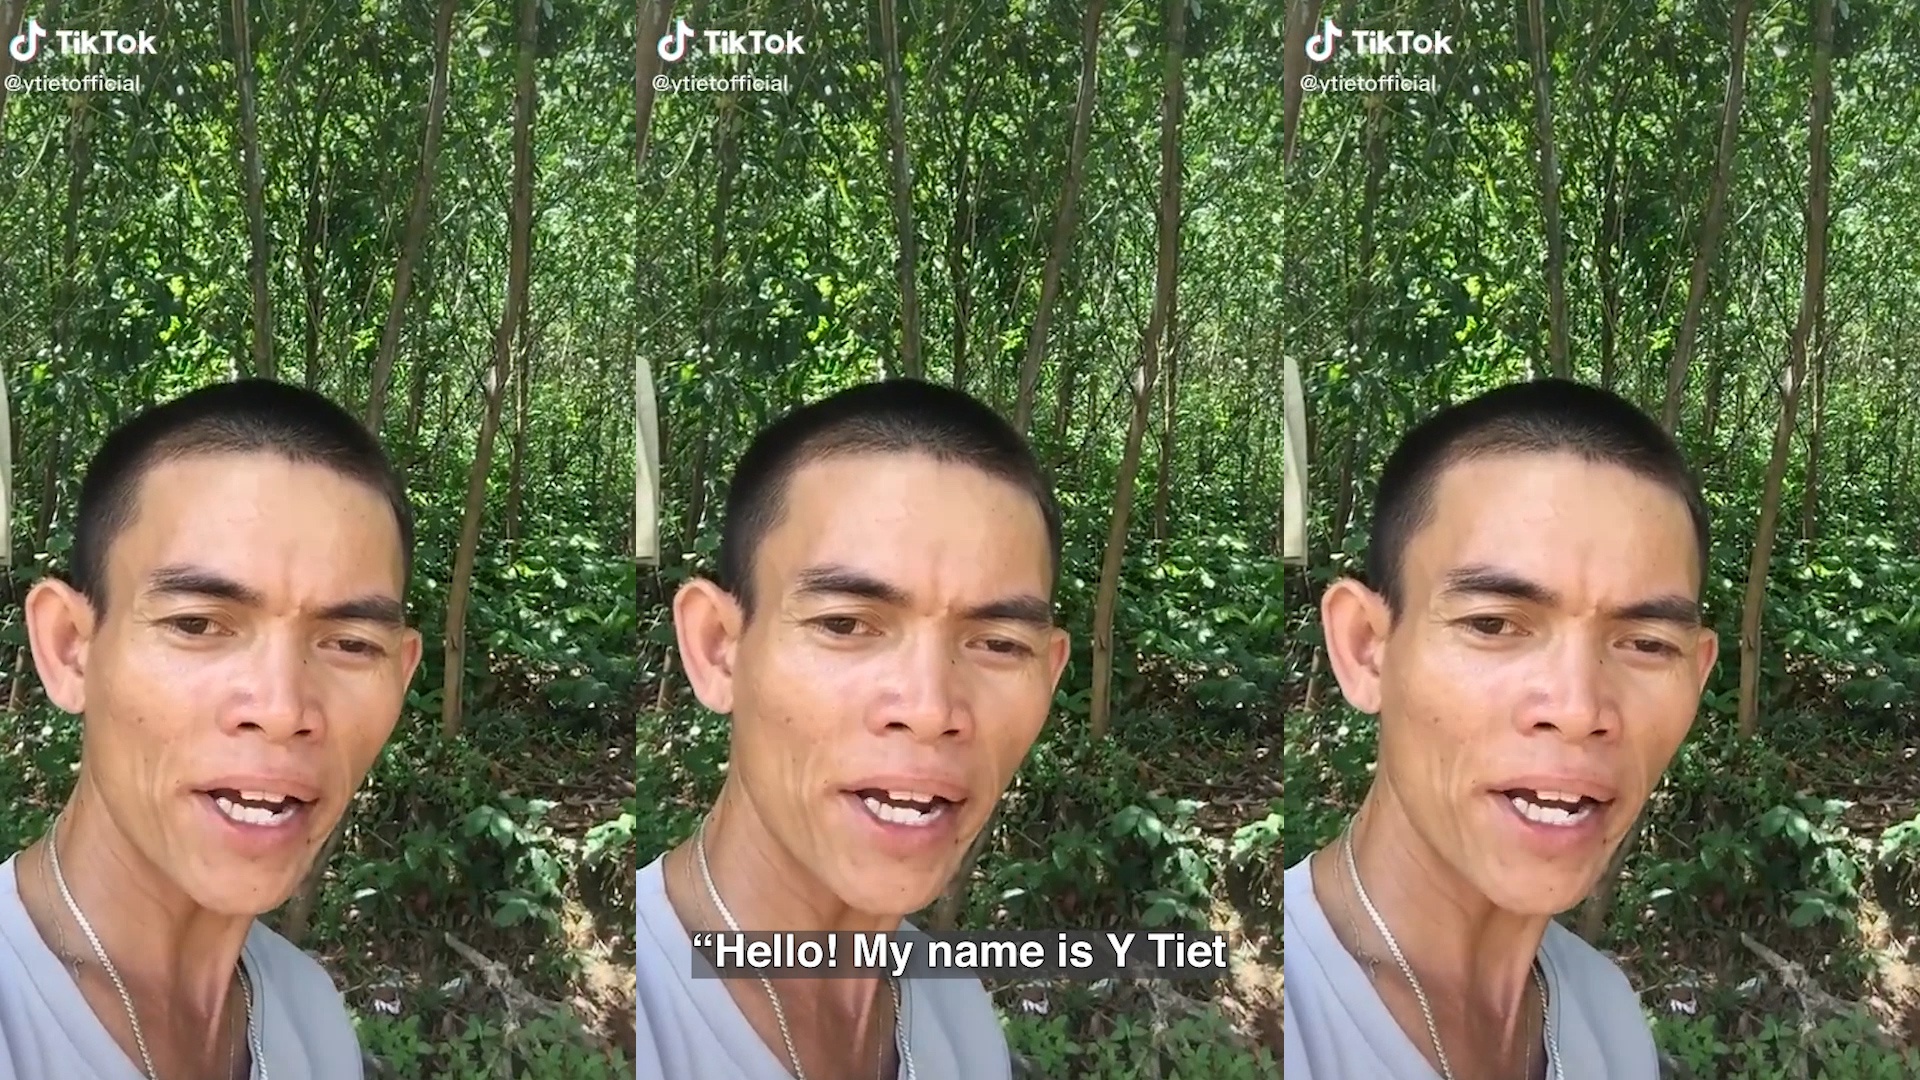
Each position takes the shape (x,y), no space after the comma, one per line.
(1485,580)
(182,580)
(843,581)
(381,610)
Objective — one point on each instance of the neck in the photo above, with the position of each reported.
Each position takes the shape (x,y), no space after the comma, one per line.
(162,943)
(766,888)
(1456,940)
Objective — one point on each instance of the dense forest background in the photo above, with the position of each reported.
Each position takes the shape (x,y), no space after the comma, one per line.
(1047,204)
(1702,206)
(425,211)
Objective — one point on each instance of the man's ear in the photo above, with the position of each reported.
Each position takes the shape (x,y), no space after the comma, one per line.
(1356,622)
(60,627)
(1706,651)
(708,622)
(1059,649)
(410,649)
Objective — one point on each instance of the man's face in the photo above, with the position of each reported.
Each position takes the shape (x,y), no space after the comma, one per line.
(901,648)
(252,648)
(1550,647)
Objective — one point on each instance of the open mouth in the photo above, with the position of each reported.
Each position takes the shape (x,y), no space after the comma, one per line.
(262,808)
(1557,808)
(911,808)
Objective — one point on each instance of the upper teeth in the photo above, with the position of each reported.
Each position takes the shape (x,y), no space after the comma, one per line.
(901,815)
(263,796)
(1559,796)
(909,796)
(1549,815)
(253,815)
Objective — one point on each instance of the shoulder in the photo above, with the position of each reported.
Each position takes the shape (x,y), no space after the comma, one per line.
(962,1012)
(288,967)
(305,1014)
(1591,973)
(1596,991)
(298,983)
(969,1027)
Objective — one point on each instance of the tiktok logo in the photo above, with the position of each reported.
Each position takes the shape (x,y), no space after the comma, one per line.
(673,46)
(26,45)
(1320,46)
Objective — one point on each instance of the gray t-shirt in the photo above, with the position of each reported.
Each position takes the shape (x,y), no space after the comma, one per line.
(48,1030)
(691,1029)
(1337,1028)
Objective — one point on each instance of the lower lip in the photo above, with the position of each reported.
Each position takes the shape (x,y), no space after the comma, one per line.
(906,841)
(256,841)
(1548,839)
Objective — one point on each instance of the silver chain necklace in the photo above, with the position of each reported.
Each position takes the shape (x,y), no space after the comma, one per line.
(1433,1030)
(780,1014)
(126,999)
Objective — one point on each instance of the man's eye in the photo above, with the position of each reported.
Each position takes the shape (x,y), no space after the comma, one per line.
(358,647)
(190,625)
(1655,647)
(1490,625)
(839,625)
(1008,647)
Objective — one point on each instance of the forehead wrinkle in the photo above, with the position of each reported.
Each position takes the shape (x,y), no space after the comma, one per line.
(1510,516)
(198,533)
(881,532)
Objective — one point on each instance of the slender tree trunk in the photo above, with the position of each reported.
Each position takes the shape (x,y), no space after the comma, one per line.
(257,254)
(313,243)
(518,261)
(1810,491)
(12,13)
(1607,242)
(1716,367)
(650,19)
(1303,16)
(1167,260)
(1714,220)
(727,159)
(1811,298)
(1063,413)
(960,241)
(516,464)
(1373,190)
(1163,493)
(1556,266)
(416,399)
(911,363)
(419,212)
(1060,249)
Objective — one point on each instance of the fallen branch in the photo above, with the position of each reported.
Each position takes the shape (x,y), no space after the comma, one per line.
(522,1003)
(1796,979)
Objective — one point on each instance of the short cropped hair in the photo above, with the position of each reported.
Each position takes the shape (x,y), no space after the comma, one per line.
(240,417)
(895,416)
(1542,416)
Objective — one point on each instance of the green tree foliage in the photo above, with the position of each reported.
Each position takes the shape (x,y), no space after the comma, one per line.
(775,281)
(1792,844)
(481,876)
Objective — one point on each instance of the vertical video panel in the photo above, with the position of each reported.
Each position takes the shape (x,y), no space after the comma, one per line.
(1599,671)
(317,643)
(960,646)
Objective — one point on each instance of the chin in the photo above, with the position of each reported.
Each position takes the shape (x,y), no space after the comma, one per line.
(1544,892)
(895,890)
(243,892)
